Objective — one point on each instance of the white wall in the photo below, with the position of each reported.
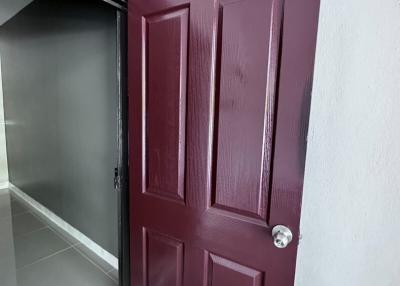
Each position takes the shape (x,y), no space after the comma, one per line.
(3,152)
(8,8)
(351,205)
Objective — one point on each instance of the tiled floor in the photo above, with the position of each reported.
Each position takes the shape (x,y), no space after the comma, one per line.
(34,253)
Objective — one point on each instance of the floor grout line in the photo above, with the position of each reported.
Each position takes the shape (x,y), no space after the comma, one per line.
(25,212)
(73,246)
(16,215)
(95,264)
(44,258)
(48,215)
(53,229)
(30,232)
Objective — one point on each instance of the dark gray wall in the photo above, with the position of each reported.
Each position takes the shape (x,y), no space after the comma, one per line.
(60,99)
(8,8)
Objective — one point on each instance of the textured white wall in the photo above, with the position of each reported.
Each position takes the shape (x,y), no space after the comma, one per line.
(351,205)
(3,151)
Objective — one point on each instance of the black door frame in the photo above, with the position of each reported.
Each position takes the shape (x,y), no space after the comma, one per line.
(122,179)
(121,183)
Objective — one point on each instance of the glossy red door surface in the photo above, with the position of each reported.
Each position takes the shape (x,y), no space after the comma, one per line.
(219,102)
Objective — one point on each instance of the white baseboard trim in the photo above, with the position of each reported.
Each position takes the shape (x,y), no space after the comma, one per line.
(4,185)
(63,225)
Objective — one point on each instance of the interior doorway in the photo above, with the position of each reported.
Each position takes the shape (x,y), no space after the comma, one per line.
(63,203)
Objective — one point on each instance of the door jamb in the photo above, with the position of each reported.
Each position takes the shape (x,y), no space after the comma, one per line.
(121,172)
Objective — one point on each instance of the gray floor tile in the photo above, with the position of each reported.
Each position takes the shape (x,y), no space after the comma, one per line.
(93,257)
(114,274)
(59,231)
(7,255)
(63,269)
(9,207)
(18,208)
(37,245)
(25,223)
(63,234)
(5,209)
(13,196)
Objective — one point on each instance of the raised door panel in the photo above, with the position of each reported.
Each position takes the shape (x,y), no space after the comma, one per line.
(162,260)
(164,95)
(224,272)
(244,107)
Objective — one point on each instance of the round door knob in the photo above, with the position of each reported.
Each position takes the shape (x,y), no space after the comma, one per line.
(282,236)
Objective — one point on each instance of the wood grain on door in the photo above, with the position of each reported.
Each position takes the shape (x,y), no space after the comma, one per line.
(219,94)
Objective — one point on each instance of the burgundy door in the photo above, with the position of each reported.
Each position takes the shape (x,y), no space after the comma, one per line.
(219,95)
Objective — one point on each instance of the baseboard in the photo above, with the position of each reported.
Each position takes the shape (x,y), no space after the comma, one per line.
(4,185)
(64,226)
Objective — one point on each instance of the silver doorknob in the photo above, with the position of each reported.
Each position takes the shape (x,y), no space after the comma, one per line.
(282,236)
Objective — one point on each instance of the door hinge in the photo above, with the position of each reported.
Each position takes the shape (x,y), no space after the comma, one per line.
(117,180)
